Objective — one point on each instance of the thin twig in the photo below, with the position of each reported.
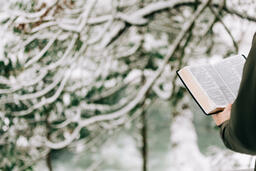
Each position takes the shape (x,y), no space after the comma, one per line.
(226,28)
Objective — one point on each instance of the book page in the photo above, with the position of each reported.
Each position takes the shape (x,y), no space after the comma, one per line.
(211,82)
(230,71)
(220,80)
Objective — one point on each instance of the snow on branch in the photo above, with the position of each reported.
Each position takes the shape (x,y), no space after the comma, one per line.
(141,93)
(139,17)
(73,86)
(83,18)
(226,8)
(44,50)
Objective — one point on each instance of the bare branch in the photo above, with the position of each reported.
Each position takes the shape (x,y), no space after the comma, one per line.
(226,28)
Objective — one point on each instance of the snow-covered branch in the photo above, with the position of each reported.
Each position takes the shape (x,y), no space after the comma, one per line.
(78,68)
(44,50)
(141,93)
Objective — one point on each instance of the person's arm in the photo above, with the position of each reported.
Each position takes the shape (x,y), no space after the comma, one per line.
(239,132)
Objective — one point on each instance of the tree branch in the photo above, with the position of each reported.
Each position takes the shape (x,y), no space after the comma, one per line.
(226,28)
(44,50)
(142,92)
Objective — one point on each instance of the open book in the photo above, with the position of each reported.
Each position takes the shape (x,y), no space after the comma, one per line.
(214,86)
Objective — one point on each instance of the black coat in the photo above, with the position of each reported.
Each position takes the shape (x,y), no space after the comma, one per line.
(239,133)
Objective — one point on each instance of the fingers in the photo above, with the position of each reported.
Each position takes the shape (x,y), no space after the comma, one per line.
(228,107)
(221,117)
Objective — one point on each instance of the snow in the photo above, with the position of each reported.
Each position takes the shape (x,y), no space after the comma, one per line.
(6,37)
(6,121)
(22,141)
(122,152)
(132,75)
(185,154)
(155,43)
(66,99)
(110,83)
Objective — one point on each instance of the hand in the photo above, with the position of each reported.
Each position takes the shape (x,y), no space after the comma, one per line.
(221,117)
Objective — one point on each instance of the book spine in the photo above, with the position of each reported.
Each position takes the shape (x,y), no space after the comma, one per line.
(177,72)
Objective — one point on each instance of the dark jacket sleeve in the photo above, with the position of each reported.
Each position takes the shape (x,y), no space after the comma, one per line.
(239,133)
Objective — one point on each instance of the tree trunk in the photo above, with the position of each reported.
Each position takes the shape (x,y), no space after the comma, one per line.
(49,161)
(144,140)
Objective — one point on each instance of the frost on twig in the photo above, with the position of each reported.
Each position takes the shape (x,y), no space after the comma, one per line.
(72,68)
